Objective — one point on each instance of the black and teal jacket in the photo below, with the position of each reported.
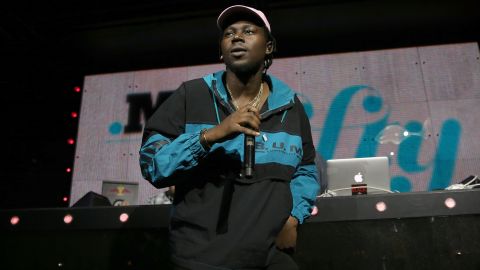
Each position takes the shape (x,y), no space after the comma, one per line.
(220,219)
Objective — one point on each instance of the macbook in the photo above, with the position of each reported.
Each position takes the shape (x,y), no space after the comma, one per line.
(355,176)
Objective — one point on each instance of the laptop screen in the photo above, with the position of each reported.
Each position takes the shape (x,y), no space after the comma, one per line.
(358,176)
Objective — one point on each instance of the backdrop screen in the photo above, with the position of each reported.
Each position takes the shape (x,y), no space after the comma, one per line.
(418,106)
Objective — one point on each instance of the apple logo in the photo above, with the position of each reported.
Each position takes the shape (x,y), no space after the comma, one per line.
(358,177)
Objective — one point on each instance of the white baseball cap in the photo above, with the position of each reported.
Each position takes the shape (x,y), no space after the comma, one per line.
(239,9)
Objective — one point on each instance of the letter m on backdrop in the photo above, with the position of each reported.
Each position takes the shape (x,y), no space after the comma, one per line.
(141,104)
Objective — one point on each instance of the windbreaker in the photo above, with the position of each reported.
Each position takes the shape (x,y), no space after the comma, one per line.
(221,219)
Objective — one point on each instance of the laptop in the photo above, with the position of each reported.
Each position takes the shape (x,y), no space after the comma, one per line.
(356,176)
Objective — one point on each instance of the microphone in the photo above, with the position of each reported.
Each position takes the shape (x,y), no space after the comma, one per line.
(249,155)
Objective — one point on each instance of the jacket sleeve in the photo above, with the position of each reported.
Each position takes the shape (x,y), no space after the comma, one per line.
(304,185)
(167,151)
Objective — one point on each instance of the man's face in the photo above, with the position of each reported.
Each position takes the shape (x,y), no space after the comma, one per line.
(244,46)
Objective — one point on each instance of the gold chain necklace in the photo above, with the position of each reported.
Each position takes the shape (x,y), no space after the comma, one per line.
(254,102)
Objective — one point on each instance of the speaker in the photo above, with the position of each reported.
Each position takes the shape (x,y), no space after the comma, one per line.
(92,199)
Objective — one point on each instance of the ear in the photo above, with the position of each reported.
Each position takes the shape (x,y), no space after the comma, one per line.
(269,49)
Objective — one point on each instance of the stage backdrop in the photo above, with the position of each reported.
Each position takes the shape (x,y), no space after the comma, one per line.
(418,106)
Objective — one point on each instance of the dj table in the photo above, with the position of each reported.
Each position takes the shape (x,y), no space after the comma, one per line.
(420,230)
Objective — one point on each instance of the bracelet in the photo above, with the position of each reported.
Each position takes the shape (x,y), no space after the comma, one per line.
(203,139)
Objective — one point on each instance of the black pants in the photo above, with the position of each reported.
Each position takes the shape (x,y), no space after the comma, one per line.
(280,261)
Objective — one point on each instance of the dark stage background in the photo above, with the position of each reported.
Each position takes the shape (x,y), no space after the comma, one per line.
(46,49)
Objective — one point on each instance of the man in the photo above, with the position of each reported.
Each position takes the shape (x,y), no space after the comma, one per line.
(223,219)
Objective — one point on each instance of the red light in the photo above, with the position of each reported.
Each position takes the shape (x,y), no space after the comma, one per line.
(68,219)
(65,199)
(123,217)
(381,206)
(450,203)
(69,170)
(14,220)
(74,115)
(77,89)
(70,141)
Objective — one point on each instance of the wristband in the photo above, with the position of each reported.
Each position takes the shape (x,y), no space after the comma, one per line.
(203,139)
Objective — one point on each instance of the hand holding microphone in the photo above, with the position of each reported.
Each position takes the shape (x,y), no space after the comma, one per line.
(245,120)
